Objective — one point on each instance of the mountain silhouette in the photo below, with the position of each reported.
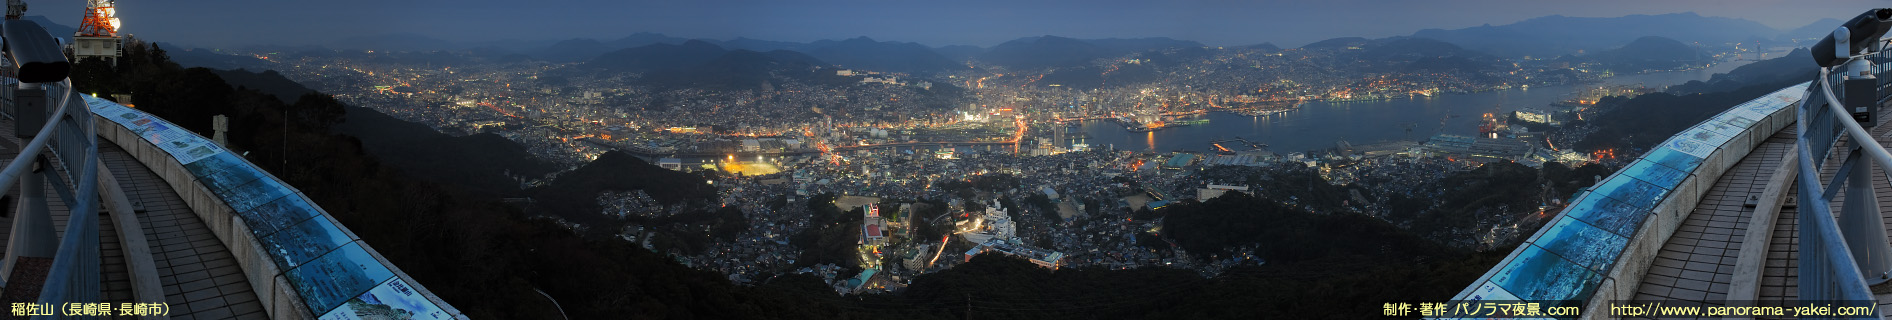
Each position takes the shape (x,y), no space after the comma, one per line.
(1557,35)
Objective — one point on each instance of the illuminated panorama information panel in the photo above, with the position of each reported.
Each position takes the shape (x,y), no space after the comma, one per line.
(334,275)
(1568,260)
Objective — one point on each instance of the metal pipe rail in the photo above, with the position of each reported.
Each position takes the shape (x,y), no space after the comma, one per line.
(74,276)
(1880,156)
(32,150)
(1830,268)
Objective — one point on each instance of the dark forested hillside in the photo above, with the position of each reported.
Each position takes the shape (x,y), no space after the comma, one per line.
(1792,66)
(1288,235)
(1646,120)
(573,195)
(267,81)
(482,162)
(1650,53)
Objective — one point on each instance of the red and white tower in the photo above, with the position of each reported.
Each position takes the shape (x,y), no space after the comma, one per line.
(97,36)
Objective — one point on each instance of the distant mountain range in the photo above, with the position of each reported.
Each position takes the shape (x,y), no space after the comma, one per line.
(1544,37)
(1554,36)
(212,59)
(573,50)
(700,64)
(676,61)
(396,42)
(1353,55)
(644,39)
(858,53)
(865,53)
(1043,52)
(1649,53)
(656,57)
(1336,43)
(1789,67)
(1072,63)
(1407,54)
(1812,31)
(855,53)
(1055,51)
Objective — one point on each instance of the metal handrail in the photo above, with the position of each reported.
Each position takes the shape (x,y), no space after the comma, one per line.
(1829,269)
(1880,156)
(74,274)
(75,270)
(22,162)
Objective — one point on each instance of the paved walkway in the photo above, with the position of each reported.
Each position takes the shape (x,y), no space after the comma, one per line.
(201,279)
(1697,262)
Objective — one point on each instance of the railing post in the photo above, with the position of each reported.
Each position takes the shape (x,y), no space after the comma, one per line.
(1862,224)
(32,230)
(73,276)
(1837,262)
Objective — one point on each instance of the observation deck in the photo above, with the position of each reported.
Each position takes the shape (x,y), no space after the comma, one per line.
(195,272)
(114,213)
(189,224)
(1772,203)
(1674,218)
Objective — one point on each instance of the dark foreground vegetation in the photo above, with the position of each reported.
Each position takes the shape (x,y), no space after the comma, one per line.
(1642,122)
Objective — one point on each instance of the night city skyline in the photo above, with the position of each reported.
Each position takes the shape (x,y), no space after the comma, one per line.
(978,23)
(979,159)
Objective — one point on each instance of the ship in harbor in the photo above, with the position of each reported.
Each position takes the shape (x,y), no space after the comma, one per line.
(1149,127)
(1153,123)
(1236,145)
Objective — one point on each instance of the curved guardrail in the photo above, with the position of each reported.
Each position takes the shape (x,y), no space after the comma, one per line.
(300,261)
(74,275)
(1836,265)
(1598,248)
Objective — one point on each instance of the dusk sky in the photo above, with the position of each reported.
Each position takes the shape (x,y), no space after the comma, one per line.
(221,23)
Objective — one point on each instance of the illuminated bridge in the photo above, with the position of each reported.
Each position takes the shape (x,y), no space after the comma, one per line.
(1771,203)
(115,208)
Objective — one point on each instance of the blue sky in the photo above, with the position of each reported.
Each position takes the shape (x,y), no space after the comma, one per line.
(221,23)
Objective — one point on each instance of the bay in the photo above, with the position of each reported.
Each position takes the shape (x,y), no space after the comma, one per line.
(1320,125)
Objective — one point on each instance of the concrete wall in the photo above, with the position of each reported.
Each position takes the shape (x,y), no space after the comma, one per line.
(1626,275)
(280,300)
(1623,277)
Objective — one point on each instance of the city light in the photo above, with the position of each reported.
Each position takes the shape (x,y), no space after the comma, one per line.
(1379,129)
